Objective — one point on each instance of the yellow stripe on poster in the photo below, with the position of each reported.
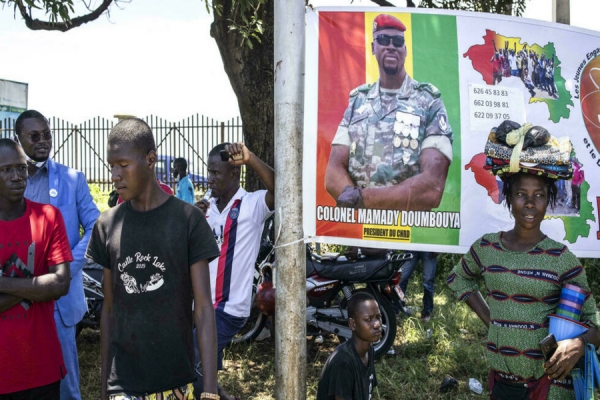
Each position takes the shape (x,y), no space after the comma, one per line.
(372,69)
(386,232)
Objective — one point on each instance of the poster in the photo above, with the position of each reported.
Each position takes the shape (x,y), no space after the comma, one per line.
(13,98)
(450,56)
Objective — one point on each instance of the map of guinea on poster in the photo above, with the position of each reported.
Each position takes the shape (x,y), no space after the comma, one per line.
(483,69)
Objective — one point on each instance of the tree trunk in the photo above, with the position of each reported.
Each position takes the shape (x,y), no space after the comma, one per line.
(250,71)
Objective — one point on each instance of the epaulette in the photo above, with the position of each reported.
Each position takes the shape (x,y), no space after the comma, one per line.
(362,88)
(429,88)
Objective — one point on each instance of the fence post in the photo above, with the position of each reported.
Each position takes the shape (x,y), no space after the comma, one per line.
(222,132)
(76,134)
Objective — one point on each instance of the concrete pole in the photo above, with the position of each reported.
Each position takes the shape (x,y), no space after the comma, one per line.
(290,280)
(561,11)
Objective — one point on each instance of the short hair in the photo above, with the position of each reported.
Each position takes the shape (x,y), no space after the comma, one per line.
(512,179)
(181,161)
(217,149)
(355,302)
(9,143)
(135,132)
(27,115)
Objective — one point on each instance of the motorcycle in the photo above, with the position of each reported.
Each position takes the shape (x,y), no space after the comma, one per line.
(330,282)
(92,287)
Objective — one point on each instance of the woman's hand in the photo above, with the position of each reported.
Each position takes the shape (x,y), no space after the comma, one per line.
(565,357)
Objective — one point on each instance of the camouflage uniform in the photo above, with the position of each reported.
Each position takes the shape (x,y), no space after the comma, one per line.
(385,142)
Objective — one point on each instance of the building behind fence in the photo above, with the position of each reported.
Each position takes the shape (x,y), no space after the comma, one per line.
(83,146)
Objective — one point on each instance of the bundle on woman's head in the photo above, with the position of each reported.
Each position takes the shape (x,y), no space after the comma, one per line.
(513,148)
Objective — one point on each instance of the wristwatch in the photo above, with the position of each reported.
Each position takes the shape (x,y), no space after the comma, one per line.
(206,395)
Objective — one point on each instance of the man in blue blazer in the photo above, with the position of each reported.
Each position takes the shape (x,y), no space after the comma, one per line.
(65,188)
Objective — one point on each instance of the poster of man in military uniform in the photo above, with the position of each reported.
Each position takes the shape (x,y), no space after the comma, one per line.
(393,147)
(382,129)
(399,105)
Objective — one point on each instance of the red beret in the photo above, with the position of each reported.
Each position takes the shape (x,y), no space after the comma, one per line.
(385,21)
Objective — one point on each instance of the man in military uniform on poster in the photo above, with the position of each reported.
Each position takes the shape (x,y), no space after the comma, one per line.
(393,148)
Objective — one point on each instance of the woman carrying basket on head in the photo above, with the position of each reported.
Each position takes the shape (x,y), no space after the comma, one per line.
(524,271)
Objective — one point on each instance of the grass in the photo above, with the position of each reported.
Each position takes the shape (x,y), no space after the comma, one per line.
(455,347)
(415,371)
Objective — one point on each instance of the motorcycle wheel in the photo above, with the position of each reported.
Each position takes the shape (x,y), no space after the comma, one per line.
(388,322)
(253,326)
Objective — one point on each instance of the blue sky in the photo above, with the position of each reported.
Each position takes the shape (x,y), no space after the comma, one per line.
(148,58)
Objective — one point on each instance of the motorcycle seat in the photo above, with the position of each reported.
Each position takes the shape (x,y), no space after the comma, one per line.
(365,269)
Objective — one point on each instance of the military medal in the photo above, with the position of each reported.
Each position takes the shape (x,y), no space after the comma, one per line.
(398,127)
(414,131)
(414,126)
(397,141)
(406,157)
(414,144)
(405,142)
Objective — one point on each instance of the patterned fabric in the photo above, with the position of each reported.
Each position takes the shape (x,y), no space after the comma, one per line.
(500,167)
(182,393)
(523,288)
(386,131)
(557,153)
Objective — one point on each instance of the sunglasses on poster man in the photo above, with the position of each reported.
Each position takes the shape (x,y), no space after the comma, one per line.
(384,40)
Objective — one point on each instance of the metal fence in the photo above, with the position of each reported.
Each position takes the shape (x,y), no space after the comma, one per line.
(83,146)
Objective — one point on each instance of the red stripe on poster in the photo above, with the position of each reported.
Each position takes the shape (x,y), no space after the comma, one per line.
(341,69)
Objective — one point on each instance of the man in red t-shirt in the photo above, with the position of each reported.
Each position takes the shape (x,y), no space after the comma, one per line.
(34,271)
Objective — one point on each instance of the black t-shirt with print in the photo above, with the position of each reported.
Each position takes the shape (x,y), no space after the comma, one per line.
(149,255)
(345,375)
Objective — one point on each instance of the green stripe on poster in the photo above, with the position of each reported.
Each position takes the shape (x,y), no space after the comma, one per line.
(440,68)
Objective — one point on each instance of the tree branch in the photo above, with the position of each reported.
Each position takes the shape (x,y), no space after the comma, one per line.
(36,24)
(383,3)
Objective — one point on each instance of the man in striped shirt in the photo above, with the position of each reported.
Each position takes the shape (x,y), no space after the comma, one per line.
(236,218)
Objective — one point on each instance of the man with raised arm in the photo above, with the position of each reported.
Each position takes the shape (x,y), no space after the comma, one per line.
(236,218)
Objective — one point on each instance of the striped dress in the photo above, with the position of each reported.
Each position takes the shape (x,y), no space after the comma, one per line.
(522,289)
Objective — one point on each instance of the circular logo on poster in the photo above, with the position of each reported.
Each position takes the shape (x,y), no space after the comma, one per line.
(590,100)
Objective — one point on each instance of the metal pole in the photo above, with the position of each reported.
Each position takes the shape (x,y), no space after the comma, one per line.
(290,280)
(561,11)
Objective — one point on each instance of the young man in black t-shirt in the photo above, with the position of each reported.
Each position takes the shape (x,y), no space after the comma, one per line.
(349,372)
(155,251)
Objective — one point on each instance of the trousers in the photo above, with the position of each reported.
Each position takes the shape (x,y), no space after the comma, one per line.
(429,261)
(69,385)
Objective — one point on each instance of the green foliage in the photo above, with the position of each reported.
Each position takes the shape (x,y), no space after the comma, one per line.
(592,270)
(445,263)
(245,19)
(507,7)
(100,197)
(56,10)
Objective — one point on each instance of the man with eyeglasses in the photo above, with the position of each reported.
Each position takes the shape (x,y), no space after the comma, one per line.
(65,188)
(393,148)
